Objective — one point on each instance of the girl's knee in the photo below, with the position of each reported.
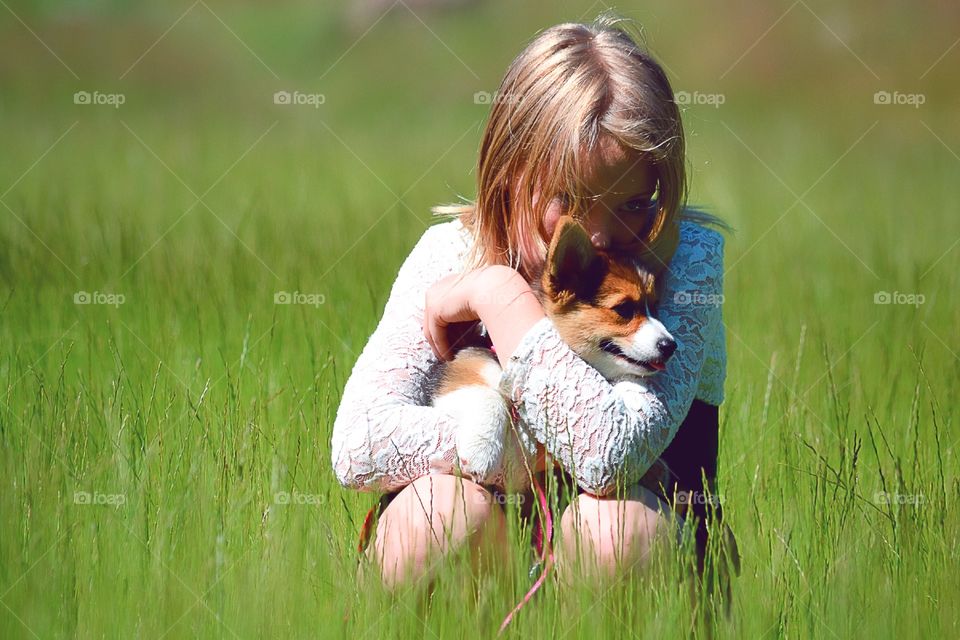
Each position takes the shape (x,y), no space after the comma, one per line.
(428,520)
(450,507)
(607,536)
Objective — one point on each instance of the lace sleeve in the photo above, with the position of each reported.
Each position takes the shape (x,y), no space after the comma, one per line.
(602,432)
(383,438)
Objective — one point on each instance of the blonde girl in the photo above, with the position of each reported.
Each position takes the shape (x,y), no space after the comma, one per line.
(584,123)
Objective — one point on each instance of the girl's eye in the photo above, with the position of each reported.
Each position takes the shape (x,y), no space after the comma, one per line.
(640,204)
(625,310)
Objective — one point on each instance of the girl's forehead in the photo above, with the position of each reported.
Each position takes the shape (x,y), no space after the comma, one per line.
(614,170)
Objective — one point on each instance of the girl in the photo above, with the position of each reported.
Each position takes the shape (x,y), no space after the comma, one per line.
(584,123)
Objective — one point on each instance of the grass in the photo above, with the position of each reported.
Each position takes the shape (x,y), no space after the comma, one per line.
(182,412)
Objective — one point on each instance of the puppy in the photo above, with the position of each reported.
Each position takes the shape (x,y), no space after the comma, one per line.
(601,309)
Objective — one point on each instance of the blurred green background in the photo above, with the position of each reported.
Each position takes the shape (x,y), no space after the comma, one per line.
(146,437)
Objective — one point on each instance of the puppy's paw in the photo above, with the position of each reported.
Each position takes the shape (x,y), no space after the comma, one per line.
(468,391)
(480,458)
(482,416)
(480,438)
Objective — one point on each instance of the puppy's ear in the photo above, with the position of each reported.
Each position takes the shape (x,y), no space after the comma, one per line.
(573,265)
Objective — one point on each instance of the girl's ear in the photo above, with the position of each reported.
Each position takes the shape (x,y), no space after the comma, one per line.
(573,264)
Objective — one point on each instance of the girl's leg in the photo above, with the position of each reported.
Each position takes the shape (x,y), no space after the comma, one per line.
(431,518)
(605,536)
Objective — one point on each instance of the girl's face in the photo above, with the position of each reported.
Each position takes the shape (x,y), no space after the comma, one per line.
(623,188)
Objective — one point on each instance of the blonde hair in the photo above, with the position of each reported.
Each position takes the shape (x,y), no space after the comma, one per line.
(573,88)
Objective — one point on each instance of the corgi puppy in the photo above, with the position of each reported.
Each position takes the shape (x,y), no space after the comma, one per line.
(601,309)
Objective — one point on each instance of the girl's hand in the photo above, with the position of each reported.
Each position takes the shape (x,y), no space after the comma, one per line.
(496,295)
(448,301)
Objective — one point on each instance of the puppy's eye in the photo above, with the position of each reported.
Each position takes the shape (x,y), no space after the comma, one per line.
(626,310)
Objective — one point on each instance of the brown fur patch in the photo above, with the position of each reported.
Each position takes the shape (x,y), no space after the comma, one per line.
(466,370)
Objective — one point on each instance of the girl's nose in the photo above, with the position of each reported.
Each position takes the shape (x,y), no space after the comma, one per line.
(598,225)
(600,240)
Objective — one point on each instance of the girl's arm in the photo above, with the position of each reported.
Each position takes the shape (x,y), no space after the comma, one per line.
(597,430)
(383,438)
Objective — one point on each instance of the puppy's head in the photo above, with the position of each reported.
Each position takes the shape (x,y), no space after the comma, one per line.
(601,307)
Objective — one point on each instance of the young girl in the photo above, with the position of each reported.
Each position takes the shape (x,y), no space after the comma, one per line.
(584,123)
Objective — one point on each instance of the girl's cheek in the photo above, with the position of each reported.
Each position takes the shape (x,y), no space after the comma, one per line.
(551,216)
(640,225)
(638,231)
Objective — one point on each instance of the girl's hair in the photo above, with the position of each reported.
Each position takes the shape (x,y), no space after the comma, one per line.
(574,88)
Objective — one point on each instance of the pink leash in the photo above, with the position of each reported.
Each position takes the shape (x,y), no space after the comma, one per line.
(544,544)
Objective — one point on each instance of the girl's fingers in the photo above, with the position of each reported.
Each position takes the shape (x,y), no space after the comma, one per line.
(437,351)
(423,329)
(433,347)
(429,336)
(439,333)
(435,324)
(435,333)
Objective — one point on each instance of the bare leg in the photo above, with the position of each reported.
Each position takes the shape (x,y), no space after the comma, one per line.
(603,536)
(431,518)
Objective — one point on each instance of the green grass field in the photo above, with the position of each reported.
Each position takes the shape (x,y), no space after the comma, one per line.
(146,435)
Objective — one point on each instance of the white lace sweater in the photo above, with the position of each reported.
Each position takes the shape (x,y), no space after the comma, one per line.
(384,437)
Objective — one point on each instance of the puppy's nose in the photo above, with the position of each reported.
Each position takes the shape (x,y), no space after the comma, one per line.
(666,346)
